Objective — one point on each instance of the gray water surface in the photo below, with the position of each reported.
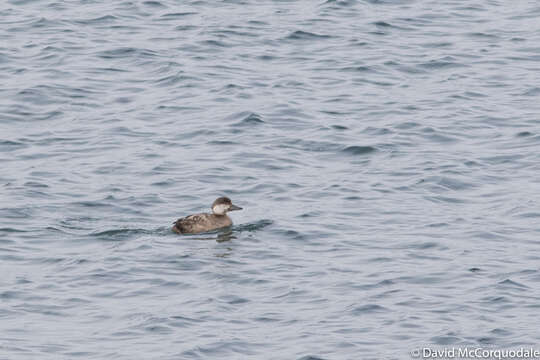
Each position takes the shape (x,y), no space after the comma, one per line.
(386,154)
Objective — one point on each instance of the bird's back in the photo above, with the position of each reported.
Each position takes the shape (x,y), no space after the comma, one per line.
(198,223)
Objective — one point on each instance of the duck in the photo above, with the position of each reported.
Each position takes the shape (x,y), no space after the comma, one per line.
(198,223)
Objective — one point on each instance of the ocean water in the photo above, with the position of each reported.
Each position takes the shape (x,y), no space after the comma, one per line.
(386,154)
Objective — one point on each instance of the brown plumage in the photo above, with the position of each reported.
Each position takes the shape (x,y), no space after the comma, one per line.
(198,223)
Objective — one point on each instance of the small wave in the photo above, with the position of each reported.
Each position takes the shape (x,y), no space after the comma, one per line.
(407,125)
(258,225)
(177,15)
(482,35)
(310,145)
(341,3)
(11,230)
(172,80)
(120,234)
(45,23)
(185,27)
(360,68)
(530,215)
(514,284)
(440,44)
(305,35)
(215,43)
(382,24)
(9,145)
(440,64)
(89,203)
(444,183)
(222,142)
(291,234)
(266,57)
(535,91)
(98,20)
(153,4)
(358,150)
(387,2)
(35,184)
(435,137)
(125,52)
(250,120)
(445,340)
(369,309)
(233,299)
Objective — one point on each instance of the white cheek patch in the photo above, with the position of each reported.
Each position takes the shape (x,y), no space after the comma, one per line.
(220,209)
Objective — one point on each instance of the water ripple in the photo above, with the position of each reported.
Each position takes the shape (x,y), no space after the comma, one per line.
(385,154)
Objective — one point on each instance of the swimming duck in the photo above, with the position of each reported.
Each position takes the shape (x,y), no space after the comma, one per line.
(198,223)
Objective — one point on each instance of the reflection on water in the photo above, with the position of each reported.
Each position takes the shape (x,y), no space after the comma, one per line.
(221,235)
